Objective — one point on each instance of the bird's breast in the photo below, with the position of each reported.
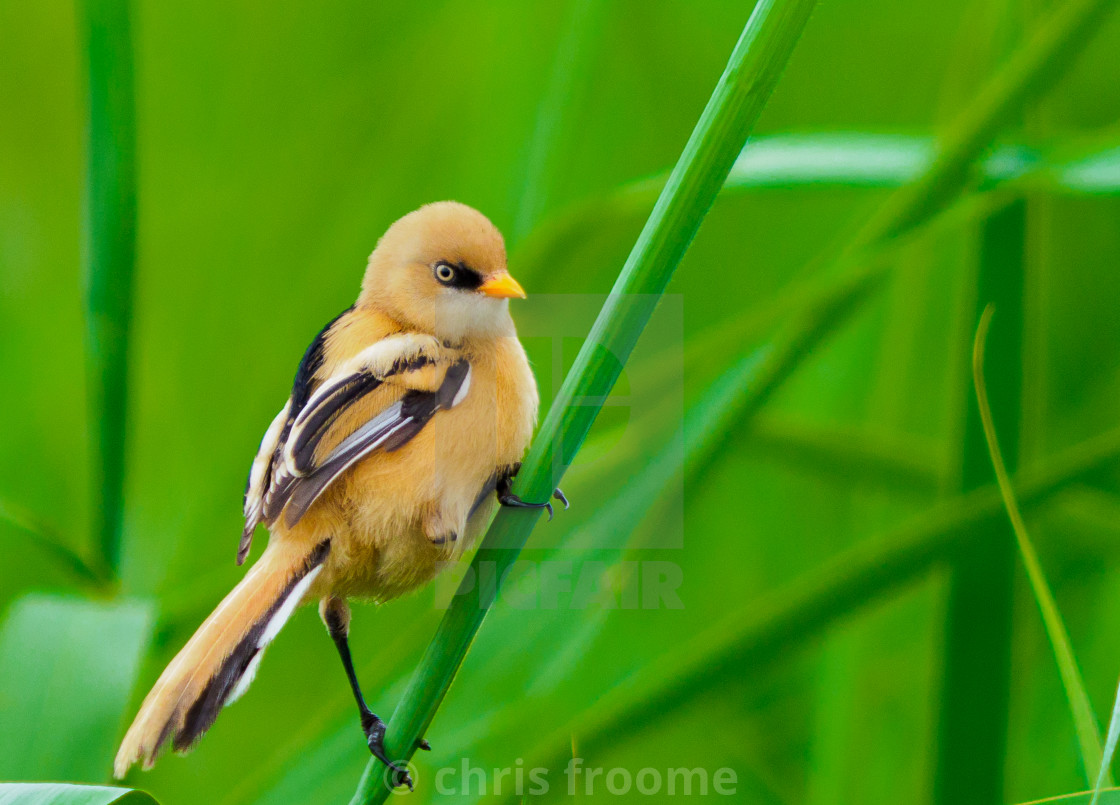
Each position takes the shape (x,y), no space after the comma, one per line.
(387,498)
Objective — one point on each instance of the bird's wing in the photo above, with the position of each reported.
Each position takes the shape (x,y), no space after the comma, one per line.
(288,475)
(390,430)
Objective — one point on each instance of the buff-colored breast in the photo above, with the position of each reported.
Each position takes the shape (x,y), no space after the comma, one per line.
(384,515)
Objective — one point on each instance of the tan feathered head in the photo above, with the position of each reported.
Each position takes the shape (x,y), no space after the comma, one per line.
(442,270)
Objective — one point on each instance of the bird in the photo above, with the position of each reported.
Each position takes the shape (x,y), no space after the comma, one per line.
(407,420)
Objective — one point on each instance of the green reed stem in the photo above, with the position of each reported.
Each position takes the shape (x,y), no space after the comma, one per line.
(752,72)
(109,253)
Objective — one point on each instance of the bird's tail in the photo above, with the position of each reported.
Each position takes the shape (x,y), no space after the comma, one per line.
(218,663)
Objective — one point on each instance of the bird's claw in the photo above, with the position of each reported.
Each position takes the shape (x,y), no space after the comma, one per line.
(512,500)
(423,744)
(507,498)
(375,738)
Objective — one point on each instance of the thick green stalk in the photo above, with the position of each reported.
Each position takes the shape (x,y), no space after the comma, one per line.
(109,251)
(976,682)
(752,72)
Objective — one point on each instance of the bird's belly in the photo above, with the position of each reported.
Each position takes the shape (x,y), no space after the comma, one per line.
(390,502)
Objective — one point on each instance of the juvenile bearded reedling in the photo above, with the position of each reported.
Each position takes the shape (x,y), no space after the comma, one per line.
(408,417)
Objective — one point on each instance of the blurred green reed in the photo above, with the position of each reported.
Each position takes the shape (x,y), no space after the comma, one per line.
(109,255)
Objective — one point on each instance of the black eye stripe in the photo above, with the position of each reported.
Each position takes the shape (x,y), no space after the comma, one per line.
(462,276)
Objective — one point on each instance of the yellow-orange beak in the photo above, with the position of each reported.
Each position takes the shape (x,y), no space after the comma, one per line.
(502,286)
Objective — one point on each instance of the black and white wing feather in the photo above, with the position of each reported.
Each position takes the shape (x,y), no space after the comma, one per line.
(388,431)
(260,477)
(286,478)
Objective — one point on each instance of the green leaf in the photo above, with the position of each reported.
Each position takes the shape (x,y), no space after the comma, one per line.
(870,159)
(67,669)
(63,794)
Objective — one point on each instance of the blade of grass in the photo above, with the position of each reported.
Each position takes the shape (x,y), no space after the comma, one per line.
(1109,750)
(1111,797)
(109,253)
(852,579)
(1081,708)
(801,297)
(752,72)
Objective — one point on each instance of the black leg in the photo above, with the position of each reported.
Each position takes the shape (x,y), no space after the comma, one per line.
(336,615)
(507,498)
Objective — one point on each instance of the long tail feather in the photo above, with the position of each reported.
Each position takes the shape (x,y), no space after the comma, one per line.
(219,661)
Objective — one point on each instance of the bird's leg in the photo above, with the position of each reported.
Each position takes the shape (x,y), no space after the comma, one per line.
(336,615)
(507,498)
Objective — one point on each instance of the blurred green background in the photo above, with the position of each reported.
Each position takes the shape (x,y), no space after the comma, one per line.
(275,145)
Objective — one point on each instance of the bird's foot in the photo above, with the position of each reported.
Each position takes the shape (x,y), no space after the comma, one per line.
(422,744)
(507,498)
(374,729)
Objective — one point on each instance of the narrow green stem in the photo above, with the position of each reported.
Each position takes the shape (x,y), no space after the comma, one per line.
(1084,719)
(752,72)
(109,250)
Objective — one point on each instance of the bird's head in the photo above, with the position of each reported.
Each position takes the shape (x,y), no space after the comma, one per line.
(442,269)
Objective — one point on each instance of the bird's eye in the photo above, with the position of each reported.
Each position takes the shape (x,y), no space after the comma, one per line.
(444,273)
